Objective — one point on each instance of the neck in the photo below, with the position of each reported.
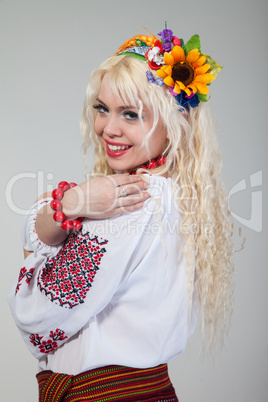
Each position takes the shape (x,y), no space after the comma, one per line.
(152,164)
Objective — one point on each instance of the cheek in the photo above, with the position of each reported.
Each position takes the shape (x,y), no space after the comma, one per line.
(96,125)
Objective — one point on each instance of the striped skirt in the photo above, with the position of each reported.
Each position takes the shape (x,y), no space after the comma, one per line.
(110,383)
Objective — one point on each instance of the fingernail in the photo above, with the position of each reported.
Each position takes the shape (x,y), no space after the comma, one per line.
(147,195)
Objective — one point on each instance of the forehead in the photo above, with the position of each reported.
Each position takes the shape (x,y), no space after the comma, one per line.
(122,89)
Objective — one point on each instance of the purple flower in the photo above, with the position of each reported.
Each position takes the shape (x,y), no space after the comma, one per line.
(150,77)
(159,81)
(166,35)
(166,46)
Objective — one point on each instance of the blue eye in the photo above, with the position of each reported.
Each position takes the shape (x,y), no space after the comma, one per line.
(100,108)
(131,115)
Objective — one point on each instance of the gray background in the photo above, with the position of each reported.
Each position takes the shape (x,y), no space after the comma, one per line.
(48,49)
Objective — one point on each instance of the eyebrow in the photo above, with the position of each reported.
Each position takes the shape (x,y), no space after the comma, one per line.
(124,107)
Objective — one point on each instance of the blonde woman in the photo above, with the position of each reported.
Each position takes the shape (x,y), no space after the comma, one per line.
(105,301)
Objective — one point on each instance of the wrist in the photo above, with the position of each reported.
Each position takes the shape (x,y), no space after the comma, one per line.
(70,204)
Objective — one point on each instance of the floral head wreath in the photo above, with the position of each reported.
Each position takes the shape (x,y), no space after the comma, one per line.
(182,67)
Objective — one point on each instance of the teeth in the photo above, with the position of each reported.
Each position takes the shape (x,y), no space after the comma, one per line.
(115,148)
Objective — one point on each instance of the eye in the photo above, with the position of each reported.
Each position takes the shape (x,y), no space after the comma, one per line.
(130,115)
(100,108)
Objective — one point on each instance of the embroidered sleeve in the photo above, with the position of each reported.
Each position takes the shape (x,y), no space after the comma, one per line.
(59,289)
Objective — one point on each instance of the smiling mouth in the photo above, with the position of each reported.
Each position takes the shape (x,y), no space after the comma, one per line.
(117,148)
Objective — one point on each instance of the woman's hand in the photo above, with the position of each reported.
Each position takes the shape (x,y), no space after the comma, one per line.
(98,198)
(106,196)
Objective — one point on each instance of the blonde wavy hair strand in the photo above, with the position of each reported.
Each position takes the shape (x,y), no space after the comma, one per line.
(194,162)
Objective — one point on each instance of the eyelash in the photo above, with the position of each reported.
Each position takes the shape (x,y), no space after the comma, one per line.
(100,108)
(131,115)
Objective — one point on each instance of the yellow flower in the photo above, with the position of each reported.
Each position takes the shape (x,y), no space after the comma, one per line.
(188,74)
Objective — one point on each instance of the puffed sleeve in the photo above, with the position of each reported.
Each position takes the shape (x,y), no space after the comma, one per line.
(30,239)
(61,288)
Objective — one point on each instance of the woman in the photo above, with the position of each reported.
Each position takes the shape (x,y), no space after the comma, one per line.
(105,303)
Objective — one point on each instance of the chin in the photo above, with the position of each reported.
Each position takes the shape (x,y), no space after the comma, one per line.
(119,168)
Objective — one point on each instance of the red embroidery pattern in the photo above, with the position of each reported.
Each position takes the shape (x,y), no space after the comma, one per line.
(47,346)
(24,274)
(67,278)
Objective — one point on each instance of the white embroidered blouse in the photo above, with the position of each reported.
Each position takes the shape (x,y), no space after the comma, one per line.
(113,293)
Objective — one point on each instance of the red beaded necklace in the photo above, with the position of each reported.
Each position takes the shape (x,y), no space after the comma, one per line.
(152,164)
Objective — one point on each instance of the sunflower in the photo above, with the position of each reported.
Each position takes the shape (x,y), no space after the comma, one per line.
(186,73)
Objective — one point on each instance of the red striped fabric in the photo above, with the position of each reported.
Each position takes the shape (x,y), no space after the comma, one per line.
(110,383)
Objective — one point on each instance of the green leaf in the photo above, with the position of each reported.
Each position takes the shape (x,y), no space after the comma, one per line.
(137,55)
(214,67)
(140,43)
(202,97)
(193,43)
(182,43)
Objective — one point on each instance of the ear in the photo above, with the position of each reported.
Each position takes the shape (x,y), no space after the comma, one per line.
(167,134)
(168,137)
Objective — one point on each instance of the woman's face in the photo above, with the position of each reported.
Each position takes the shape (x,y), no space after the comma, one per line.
(121,133)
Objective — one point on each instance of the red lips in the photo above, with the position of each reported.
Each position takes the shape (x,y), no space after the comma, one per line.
(116,154)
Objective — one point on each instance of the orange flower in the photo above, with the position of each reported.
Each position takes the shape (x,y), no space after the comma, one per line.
(188,74)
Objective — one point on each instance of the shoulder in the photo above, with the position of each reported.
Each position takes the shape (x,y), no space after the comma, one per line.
(163,193)
(159,185)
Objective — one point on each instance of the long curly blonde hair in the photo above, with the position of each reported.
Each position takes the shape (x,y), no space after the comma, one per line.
(193,160)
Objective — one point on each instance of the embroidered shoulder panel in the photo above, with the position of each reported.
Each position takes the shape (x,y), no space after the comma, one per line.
(67,277)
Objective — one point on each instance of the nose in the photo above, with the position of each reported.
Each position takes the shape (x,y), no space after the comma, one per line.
(112,127)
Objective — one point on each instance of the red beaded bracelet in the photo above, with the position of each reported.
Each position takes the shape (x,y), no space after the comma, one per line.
(56,205)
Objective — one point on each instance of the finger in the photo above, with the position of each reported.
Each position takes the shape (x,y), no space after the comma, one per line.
(133,199)
(129,208)
(121,179)
(131,188)
(136,187)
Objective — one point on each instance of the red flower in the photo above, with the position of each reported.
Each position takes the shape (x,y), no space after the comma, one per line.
(58,335)
(79,281)
(90,276)
(87,263)
(176,41)
(51,278)
(151,64)
(71,255)
(74,268)
(158,43)
(94,248)
(82,250)
(66,286)
(48,346)
(97,257)
(62,274)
